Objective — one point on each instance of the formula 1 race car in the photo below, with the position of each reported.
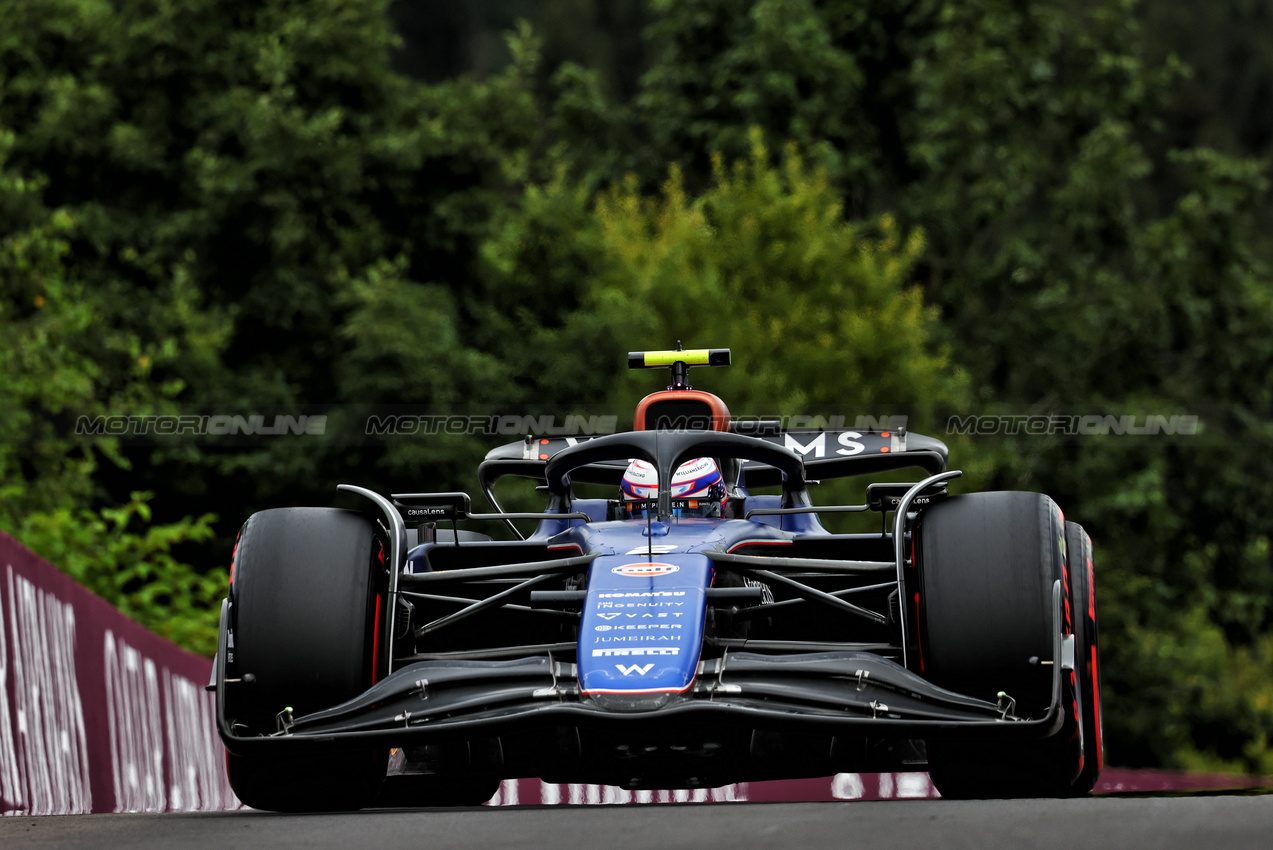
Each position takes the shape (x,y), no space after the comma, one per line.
(690,632)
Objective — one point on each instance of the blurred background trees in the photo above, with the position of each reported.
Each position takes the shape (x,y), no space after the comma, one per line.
(346,206)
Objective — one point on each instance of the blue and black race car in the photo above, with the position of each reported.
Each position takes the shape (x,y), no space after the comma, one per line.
(692,631)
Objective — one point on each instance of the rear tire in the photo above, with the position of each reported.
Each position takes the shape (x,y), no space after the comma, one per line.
(987,565)
(305,601)
(1078,550)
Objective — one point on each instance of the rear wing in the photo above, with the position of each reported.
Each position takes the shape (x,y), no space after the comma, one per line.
(827,453)
(843,453)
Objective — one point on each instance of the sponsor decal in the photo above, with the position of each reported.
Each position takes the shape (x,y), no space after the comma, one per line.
(637,627)
(635,638)
(610,616)
(640,626)
(918,501)
(645,570)
(698,468)
(97,714)
(662,615)
(603,653)
(610,605)
(412,513)
(640,594)
(639,669)
(817,446)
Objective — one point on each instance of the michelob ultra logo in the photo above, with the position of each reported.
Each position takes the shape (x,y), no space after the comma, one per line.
(645,570)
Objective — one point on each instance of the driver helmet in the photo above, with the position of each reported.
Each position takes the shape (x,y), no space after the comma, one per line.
(698,490)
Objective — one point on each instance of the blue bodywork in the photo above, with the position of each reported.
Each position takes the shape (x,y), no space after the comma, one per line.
(642,626)
(646,606)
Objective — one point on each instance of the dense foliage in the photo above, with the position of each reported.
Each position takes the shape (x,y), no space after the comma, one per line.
(985,207)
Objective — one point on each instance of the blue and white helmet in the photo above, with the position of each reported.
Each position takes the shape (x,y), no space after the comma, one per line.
(697,487)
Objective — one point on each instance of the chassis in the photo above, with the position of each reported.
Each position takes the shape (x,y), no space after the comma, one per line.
(388,659)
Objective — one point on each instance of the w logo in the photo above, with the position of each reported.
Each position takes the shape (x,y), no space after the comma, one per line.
(639,669)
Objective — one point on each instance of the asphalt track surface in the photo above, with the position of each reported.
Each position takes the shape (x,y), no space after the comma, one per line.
(1160,823)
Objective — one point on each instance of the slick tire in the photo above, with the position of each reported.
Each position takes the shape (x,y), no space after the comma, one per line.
(987,563)
(305,595)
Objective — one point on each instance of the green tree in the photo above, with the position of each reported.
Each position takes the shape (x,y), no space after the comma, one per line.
(259,170)
(190,194)
(1078,269)
(278,223)
(62,367)
(1227,100)
(820,310)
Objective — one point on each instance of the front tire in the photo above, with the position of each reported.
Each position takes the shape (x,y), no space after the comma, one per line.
(305,604)
(987,566)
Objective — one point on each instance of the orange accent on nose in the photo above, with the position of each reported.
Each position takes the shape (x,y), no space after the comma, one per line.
(543,457)
(885,434)
(884,449)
